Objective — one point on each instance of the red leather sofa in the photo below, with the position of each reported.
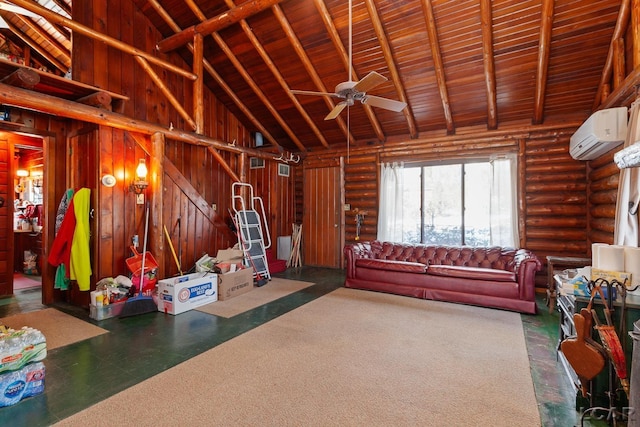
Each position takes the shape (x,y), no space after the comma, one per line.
(493,277)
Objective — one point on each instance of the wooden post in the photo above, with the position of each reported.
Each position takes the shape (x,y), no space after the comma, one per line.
(156,177)
(198,84)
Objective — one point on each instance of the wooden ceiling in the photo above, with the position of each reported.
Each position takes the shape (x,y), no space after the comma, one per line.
(458,64)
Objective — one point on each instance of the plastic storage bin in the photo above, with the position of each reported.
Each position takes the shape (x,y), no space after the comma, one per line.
(106,311)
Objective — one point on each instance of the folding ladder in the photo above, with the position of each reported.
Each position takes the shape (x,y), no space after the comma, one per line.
(250,230)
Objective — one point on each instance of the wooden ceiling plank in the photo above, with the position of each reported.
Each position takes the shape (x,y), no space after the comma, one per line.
(86,31)
(166,91)
(438,64)
(247,77)
(276,73)
(313,73)
(544,50)
(624,15)
(35,46)
(489,65)
(337,42)
(47,37)
(209,26)
(219,80)
(256,89)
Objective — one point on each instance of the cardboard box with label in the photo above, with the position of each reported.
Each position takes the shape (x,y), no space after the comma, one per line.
(183,293)
(235,283)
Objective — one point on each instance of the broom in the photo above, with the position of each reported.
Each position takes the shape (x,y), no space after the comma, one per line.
(140,303)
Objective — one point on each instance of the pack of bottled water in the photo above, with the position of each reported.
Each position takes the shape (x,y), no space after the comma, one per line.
(21,369)
(25,382)
(19,347)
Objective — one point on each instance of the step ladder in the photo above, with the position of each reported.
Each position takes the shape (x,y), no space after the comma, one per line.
(250,223)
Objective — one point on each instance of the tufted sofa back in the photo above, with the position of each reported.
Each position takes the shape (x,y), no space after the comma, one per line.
(485,257)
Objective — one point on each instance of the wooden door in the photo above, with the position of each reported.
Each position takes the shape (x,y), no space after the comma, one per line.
(6,216)
(322,230)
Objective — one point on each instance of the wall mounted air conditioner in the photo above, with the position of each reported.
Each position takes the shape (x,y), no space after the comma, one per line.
(601,132)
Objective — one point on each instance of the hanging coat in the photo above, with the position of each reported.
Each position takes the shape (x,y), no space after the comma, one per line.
(80,263)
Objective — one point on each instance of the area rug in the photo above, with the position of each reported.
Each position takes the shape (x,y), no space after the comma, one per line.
(276,288)
(26,282)
(349,358)
(58,328)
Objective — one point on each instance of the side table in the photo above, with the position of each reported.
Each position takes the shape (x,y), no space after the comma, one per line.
(560,261)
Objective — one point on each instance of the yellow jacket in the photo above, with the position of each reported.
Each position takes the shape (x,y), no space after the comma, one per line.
(80,263)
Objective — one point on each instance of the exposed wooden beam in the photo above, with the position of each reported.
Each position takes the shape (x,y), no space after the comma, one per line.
(247,78)
(625,93)
(486,21)
(86,31)
(619,69)
(23,78)
(306,62)
(99,99)
(214,74)
(214,24)
(22,98)
(276,73)
(544,49)
(156,175)
(337,42)
(438,64)
(166,91)
(619,31)
(216,154)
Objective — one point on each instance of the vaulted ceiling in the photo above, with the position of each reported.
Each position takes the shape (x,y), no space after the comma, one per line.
(463,64)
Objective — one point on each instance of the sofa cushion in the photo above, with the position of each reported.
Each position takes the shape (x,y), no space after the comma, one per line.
(472,273)
(390,265)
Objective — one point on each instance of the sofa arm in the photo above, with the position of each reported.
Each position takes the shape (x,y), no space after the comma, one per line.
(526,267)
(356,251)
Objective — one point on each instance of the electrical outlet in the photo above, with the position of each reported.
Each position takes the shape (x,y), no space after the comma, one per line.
(140,199)
(214,207)
(347,207)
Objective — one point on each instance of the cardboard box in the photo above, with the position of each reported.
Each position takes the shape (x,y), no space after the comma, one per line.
(183,293)
(230,255)
(233,284)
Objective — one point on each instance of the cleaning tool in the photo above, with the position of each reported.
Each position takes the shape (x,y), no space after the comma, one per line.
(140,303)
(173,251)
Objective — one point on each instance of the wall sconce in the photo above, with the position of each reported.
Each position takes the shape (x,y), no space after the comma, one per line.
(22,173)
(140,182)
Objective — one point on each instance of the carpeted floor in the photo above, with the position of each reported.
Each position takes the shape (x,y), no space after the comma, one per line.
(23,281)
(350,358)
(275,289)
(58,328)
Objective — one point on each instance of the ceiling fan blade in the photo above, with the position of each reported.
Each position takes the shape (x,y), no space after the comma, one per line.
(387,104)
(369,81)
(19,10)
(309,92)
(336,111)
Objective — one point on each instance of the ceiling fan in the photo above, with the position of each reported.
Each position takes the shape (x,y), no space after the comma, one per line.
(351,91)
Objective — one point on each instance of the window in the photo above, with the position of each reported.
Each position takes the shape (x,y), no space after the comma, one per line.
(470,203)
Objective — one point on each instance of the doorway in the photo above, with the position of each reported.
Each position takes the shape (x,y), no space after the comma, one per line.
(323,216)
(24,214)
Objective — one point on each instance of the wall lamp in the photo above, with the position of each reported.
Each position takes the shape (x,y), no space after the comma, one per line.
(140,183)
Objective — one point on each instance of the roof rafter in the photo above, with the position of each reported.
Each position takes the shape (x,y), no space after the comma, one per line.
(35,46)
(489,65)
(544,50)
(438,65)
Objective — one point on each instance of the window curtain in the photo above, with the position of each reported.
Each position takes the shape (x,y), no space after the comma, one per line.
(390,211)
(503,205)
(626,223)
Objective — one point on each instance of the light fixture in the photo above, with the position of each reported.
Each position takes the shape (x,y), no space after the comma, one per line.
(22,172)
(140,182)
